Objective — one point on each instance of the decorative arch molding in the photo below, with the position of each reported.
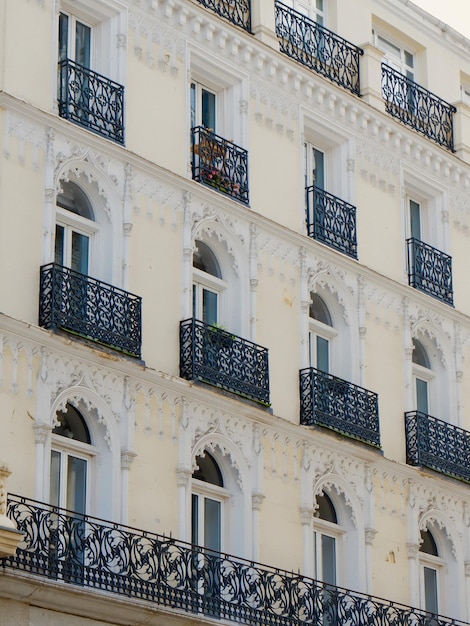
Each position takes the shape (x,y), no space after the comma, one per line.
(425,330)
(342,496)
(216,224)
(340,287)
(81,397)
(437,519)
(92,173)
(224,451)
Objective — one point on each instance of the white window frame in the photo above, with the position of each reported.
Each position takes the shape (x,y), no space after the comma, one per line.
(73,222)
(437,564)
(310,9)
(203,280)
(219,104)
(319,329)
(205,490)
(324,527)
(385,42)
(67,448)
(428,376)
(309,159)
(71,35)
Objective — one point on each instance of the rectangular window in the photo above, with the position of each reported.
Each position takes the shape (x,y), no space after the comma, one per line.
(314,166)
(415,219)
(422,403)
(430,590)
(203,107)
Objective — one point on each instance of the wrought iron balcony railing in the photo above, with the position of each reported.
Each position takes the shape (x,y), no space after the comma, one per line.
(92,553)
(430,270)
(91,100)
(417,107)
(433,443)
(219,163)
(334,403)
(331,221)
(90,308)
(236,11)
(217,357)
(318,48)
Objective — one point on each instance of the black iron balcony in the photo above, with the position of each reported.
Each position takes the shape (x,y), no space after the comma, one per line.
(219,163)
(90,308)
(236,11)
(433,443)
(81,550)
(331,221)
(318,48)
(217,357)
(417,107)
(334,403)
(91,100)
(430,270)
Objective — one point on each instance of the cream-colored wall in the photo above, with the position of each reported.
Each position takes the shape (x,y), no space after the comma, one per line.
(149,415)
(27,39)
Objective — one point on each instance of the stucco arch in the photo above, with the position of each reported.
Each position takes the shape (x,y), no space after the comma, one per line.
(107,206)
(233,260)
(237,481)
(105,441)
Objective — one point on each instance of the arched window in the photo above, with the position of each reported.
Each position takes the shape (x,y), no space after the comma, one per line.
(207,504)
(325,540)
(71,453)
(75,228)
(208,286)
(321,334)
(422,375)
(430,566)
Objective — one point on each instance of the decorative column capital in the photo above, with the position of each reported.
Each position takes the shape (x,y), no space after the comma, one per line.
(413,550)
(306,515)
(127,458)
(369,535)
(257,501)
(41,432)
(183,474)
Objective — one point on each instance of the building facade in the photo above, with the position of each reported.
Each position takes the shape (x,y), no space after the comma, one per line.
(236,387)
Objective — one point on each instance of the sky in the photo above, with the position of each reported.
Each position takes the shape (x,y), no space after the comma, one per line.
(456,13)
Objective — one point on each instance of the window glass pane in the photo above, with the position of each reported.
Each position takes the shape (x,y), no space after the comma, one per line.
(319,167)
(54,490)
(208,110)
(193,105)
(409,60)
(212,524)
(82,44)
(323,359)
(194,519)
(195,297)
(63,36)
(329,559)
(422,396)
(209,307)
(430,590)
(59,244)
(389,48)
(79,260)
(76,484)
(415,219)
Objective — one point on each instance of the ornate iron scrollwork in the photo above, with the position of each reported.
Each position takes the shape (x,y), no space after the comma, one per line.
(331,221)
(236,11)
(334,403)
(436,444)
(219,358)
(90,308)
(318,48)
(138,564)
(430,270)
(91,100)
(220,164)
(417,107)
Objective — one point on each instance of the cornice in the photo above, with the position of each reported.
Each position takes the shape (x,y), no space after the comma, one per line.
(439,30)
